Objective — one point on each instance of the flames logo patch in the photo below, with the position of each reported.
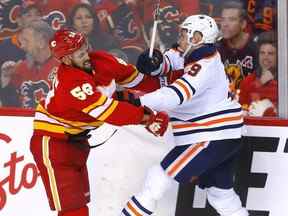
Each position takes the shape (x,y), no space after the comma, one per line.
(8,15)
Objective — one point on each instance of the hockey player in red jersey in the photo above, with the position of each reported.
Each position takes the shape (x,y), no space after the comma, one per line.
(80,99)
(206,125)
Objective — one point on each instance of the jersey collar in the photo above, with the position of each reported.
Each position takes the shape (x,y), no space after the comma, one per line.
(202,52)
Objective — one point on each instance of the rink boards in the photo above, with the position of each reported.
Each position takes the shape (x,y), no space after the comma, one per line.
(117,170)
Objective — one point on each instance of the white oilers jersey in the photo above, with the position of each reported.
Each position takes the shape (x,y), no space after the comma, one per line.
(198,103)
(174,58)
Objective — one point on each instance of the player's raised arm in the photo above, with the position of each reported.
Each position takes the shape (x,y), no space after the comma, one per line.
(199,72)
(77,85)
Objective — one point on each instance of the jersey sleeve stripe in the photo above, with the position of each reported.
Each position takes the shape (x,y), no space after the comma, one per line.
(186,90)
(133,82)
(125,212)
(179,93)
(54,128)
(108,111)
(42,115)
(102,100)
(191,87)
(97,111)
(133,210)
(130,78)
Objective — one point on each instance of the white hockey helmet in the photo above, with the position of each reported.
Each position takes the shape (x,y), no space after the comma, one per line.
(201,23)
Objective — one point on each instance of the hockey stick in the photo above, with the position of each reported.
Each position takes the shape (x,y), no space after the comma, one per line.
(154,30)
(101,143)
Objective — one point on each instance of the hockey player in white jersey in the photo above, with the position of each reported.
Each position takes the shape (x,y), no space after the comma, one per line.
(206,125)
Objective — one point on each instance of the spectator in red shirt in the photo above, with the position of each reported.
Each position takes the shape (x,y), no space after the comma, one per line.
(33,75)
(259,90)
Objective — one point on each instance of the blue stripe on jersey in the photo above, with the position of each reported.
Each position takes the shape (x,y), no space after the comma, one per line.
(125,212)
(178,92)
(209,115)
(188,132)
(191,87)
(140,206)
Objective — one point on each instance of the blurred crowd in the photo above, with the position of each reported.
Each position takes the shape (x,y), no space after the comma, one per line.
(247,44)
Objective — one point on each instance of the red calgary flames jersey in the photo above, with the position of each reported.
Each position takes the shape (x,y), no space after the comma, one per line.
(79,100)
(110,70)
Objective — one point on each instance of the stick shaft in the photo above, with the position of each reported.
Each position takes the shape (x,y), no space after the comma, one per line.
(154,30)
(153,38)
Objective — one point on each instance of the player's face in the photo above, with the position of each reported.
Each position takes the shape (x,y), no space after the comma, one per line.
(231,23)
(183,39)
(80,59)
(267,56)
(83,21)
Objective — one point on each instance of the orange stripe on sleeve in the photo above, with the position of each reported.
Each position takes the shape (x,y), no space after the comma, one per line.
(184,87)
(133,209)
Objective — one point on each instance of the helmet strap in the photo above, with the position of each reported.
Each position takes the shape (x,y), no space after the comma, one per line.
(188,49)
(192,46)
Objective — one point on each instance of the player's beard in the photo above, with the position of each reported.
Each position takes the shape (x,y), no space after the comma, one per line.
(86,66)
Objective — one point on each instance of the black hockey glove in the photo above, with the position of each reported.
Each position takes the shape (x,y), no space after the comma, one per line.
(128,97)
(149,66)
(79,140)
